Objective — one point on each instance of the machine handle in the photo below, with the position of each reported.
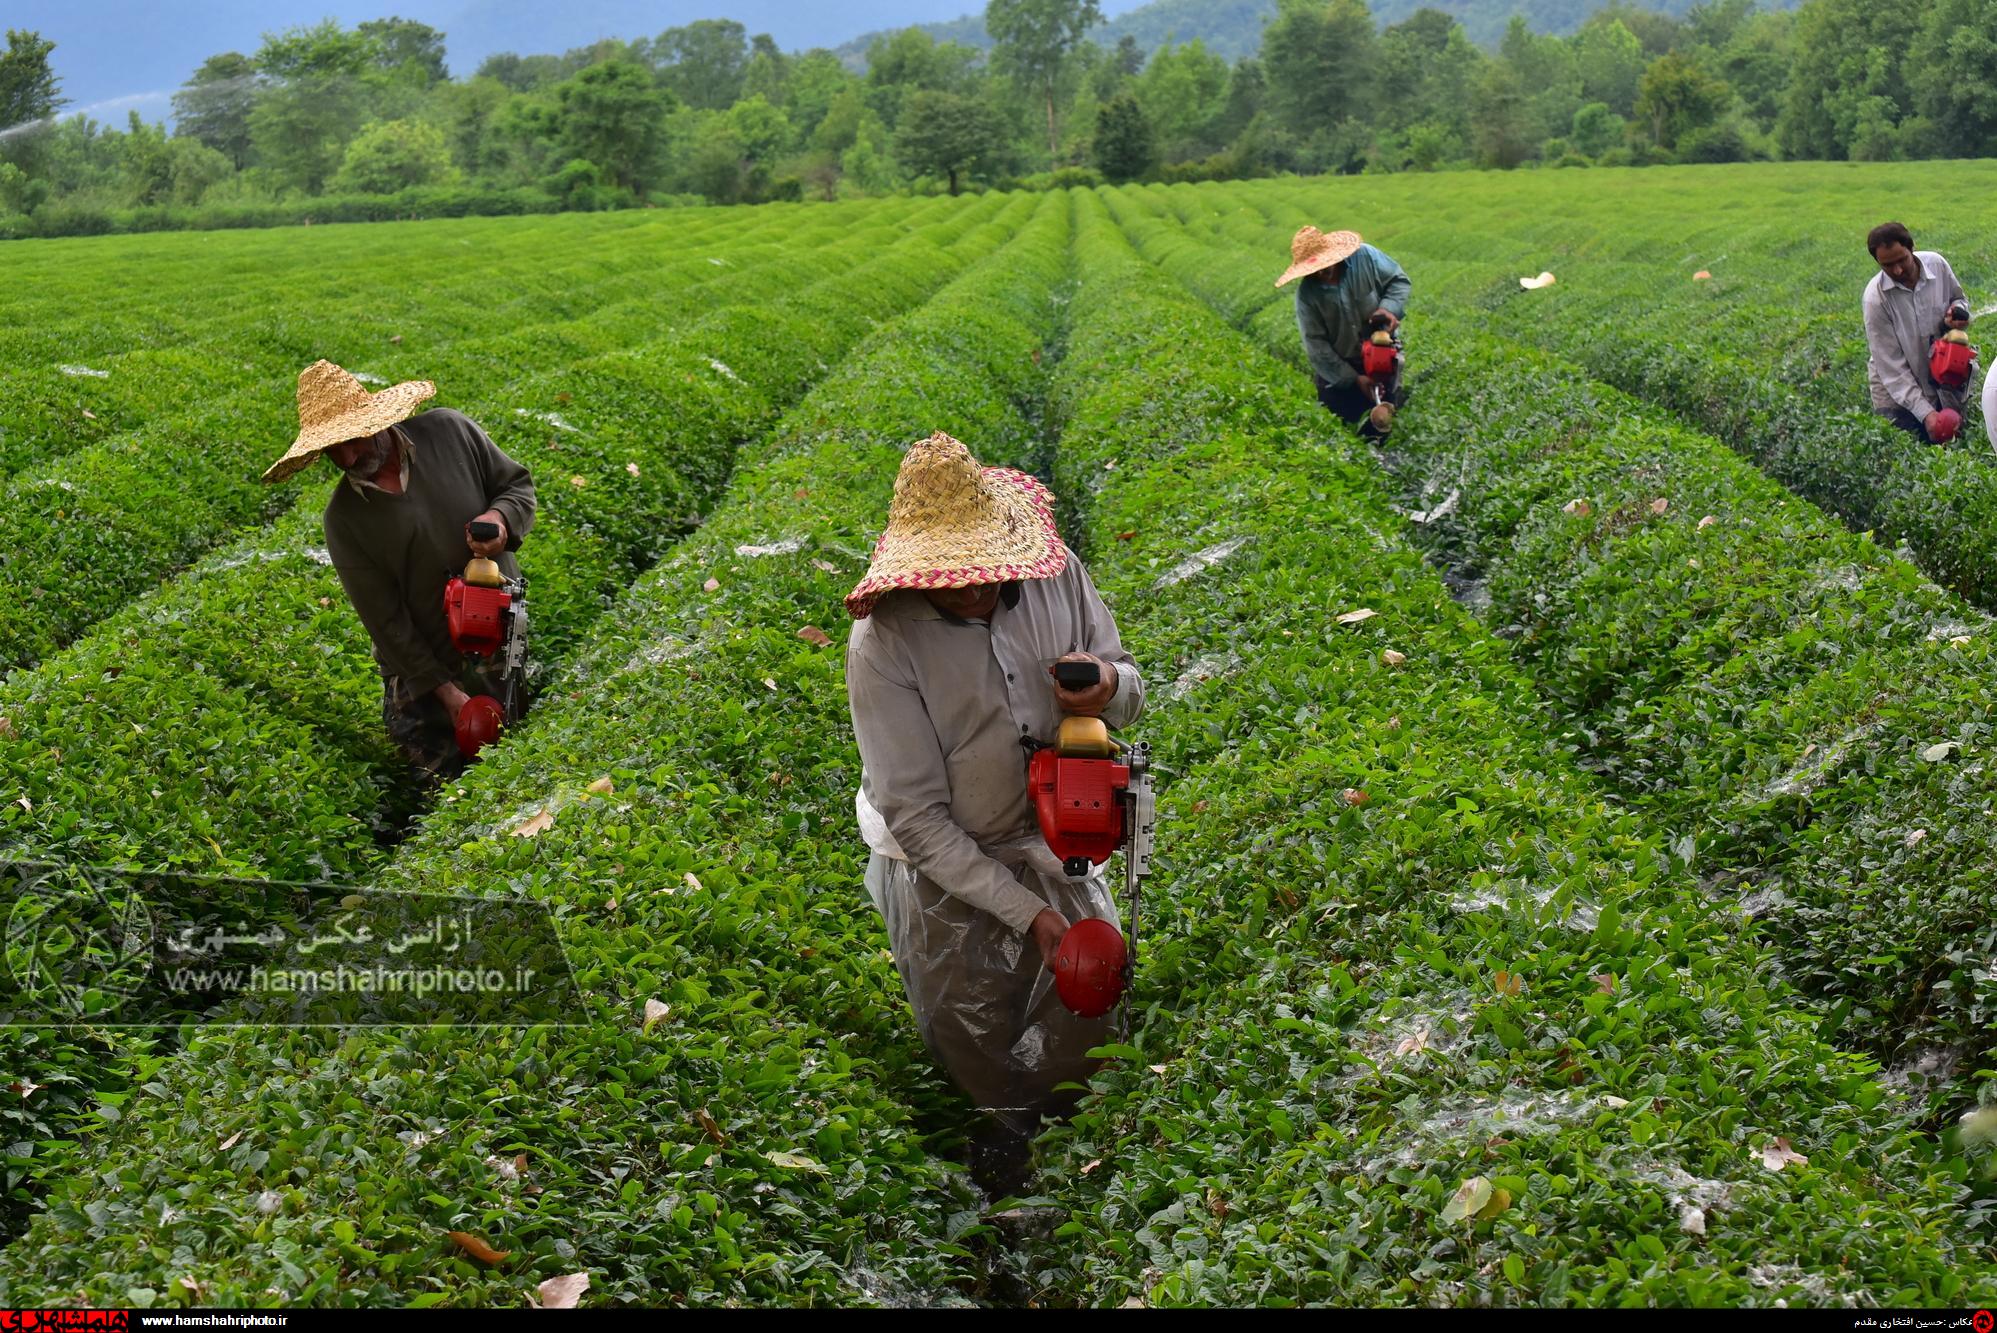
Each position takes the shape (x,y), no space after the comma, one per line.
(1077,675)
(482,532)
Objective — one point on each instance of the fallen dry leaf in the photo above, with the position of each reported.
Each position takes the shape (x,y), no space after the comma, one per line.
(1125,536)
(562,1293)
(7,728)
(477,1248)
(1354,617)
(1708,521)
(90,414)
(1392,658)
(1414,1043)
(632,468)
(712,1129)
(1353,796)
(1701,276)
(769,684)
(1916,838)
(230,1142)
(693,881)
(1779,1154)
(578,482)
(1605,982)
(712,585)
(1659,505)
(24,1086)
(815,636)
(1692,1220)
(1507,983)
(534,826)
(1578,507)
(602,787)
(1092,1166)
(825,566)
(656,1011)
(791,1161)
(1156,1069)
(1471,1197)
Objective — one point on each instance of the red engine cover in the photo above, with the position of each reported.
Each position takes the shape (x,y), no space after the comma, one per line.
(1379,362)
(476,617)
(1076,801)
(1949,363)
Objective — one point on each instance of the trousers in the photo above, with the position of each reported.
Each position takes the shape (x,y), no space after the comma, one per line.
(984,1001)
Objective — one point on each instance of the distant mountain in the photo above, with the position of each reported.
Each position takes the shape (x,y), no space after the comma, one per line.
(1231,27)
(1234,27)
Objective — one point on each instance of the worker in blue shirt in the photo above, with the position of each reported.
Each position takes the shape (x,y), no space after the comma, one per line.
(1346,285)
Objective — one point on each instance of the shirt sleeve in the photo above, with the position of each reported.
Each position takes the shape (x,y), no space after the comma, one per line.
(1895,375)
(1329,365)
(1394,287)
(910,786)
(1951,285)
(1096,629)
(509,487)
(377,599)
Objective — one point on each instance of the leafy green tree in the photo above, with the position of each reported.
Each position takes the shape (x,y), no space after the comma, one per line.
(299,129)
(948,135)
(866,166)
(909,61)
(411,51)
(1952,70)
(1034,40)
(767,75)
(1426,70)
(1848,82)
(29,92)
(1611,62)
(1677,97)
(1125,145)
(761,129)
(1596,129)
(469,114)
(1128,58)
(1183,95)
(393,155)
(1429,145)
(704,62)
(1755,62)
(819,81)
(1502,118)
(214,105)
(1319,60)
(614,116)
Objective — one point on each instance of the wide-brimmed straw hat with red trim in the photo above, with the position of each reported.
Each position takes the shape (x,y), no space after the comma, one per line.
(1313,251)
(954,524)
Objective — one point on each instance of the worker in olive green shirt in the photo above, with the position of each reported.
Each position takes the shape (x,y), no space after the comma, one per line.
(397,530)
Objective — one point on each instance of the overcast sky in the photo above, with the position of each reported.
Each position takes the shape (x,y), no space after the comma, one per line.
(114,54)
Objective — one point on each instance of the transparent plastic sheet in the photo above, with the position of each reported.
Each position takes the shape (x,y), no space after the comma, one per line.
(984,999)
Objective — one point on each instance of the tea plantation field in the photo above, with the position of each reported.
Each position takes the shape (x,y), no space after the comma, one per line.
(1605,920)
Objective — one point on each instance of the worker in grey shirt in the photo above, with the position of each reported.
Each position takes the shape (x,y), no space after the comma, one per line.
(397,528)
(1346,283)
(970,600)
(1906,304)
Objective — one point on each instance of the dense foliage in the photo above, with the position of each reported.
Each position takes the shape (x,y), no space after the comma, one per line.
(330,123)
(1574,886)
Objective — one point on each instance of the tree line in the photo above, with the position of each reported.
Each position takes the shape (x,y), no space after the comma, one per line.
(367,121)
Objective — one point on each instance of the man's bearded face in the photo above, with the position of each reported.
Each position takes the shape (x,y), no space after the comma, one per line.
(363,457)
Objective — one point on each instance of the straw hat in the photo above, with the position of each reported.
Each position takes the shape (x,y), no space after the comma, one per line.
(954,524)
(334,407)
(1313,250)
